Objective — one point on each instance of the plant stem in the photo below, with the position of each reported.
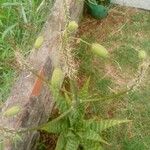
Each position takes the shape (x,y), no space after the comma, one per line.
(41,126)
(108,97)
(77,104)
(81,40)
(74,92)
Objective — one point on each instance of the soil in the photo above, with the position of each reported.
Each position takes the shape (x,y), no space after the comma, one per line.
(47,141)
(101,30)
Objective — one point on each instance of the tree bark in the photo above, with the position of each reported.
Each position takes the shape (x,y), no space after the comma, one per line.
(30,92)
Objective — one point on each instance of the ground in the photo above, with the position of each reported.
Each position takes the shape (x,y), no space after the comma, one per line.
(124,32)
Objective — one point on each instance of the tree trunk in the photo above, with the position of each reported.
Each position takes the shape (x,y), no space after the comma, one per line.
(30,92)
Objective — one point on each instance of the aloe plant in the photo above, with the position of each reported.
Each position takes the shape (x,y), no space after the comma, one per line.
(73,129)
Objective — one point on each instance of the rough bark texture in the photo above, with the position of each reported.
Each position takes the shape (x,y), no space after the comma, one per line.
(30,92)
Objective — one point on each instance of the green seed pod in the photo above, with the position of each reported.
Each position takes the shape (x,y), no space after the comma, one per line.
(72,26)
(57,78)
(99,50)
(38,42)
(10,112)
(142,54)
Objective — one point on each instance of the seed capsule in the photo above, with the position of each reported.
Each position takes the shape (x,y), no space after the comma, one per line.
(142,54)
(38,42)
(72,26)
(57,78)
(10,112)
(99,50)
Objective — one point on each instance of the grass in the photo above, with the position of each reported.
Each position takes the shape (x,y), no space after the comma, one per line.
(124,32)
(127,57)
(20,23)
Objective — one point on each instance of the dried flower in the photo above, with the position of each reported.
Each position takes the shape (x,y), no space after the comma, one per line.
(57,78)
(72,26)
(10,112)
(99,50)
(38,42)
(142,54)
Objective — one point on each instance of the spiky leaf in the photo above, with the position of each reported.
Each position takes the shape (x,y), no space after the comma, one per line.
(99,126)
(57,126)
(90,145)
(78,112)
(61,142)
(74,117)
(72,142)
(62,104)
(68,99)
(91,135)
(84,92)
(77,115)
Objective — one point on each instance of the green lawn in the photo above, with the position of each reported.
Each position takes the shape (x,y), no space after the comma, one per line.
(20,23)
(124,32)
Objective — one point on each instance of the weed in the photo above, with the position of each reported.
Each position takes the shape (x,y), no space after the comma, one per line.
(127,57)
(73,126)
(17,20)
(124,46)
